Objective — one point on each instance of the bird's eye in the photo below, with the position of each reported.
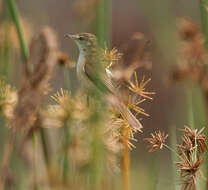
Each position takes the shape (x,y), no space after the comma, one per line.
(81,38)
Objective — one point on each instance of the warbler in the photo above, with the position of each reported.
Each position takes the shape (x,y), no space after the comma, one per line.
(92,74)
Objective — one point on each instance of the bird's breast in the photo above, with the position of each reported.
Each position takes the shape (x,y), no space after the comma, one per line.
(84,81)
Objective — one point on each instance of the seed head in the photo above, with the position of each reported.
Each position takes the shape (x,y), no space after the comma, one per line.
(156,141)
(188,169)
(139,88)
(193,137)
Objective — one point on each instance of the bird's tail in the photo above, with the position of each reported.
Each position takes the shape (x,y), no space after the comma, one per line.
(126,114)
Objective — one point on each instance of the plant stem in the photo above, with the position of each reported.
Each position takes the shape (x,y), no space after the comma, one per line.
(173,142)
(103,22)
(204,19)
(66,154)
(15,16)
(125,160)
(6,158)
(45,148)
(172,150)
(35,187)
(204,23)
(189,96)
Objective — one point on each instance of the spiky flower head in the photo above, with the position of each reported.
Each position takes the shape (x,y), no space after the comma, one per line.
(139,88)
(191,150)
(157,141)
(8,99)
(189,167)
(66,109)
(194,138)
(110,57)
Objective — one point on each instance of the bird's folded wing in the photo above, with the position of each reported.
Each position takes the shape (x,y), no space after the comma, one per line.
(99,78)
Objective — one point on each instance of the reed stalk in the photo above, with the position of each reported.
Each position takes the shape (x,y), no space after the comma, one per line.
(103,22)
(102,29)
(204,24)
(15,17)
(66,154)
(204,19)
(125,161)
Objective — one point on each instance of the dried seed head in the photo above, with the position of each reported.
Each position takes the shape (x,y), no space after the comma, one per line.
(64,60)
(193,56)
(193,138)
(186,145)
(67,109)
(156,141)
(191,151)
(139,88)
(110,57)
(8,99)
(189,166)
(133,104)
(187,29)
(120,128)
(43,58)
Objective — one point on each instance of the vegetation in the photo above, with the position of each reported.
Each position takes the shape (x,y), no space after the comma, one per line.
(77,139)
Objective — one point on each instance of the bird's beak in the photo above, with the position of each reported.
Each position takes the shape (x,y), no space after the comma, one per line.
(72,36)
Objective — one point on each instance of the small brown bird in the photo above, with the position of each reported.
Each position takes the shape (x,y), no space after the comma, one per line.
(91,73)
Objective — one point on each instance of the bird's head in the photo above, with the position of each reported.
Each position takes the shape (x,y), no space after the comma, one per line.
(85,41)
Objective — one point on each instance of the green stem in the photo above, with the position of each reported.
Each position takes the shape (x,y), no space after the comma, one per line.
(66,153)
(103,22)
(173,142)
(172,150)
(15,16)
(45,147)
(204,19)
(189,96)
(204,22)
(35,187)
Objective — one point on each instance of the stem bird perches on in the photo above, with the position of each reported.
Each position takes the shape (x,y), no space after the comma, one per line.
(125,160)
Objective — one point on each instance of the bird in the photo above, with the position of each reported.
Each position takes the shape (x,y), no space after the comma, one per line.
(92,74)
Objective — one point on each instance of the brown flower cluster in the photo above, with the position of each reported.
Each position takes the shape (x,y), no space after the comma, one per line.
(192,64)
(191,150)
(192,54)
(190,153)
(191,139)
(157,141)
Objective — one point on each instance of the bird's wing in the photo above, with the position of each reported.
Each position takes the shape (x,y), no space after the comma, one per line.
(95,71)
